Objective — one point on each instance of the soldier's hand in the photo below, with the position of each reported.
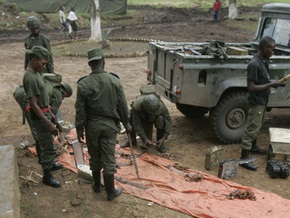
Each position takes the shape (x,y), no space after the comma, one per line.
(81,138)
(160,142)
(59,127)
(128,128)
(53,129)
(148,142)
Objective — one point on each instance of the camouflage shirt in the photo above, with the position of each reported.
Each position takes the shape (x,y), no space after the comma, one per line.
(39,40)
(101,99)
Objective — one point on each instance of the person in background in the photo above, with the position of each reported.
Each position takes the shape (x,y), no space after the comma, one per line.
(41,117)
(216,7)
(258,84)
(37,39)
(100,107)
(73,28)
(62,19)
(148,110)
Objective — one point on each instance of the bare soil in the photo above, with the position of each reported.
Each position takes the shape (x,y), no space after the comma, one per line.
(188,142)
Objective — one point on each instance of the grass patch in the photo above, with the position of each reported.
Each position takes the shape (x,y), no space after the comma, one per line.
(202,4)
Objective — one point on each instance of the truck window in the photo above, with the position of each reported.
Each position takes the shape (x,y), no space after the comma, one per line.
(278,29)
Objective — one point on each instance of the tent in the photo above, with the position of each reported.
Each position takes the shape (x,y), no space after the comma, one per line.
(80,6)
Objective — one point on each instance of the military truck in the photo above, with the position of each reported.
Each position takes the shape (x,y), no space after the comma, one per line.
(211,76)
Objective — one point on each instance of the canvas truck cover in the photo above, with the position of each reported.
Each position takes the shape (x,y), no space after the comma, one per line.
(80,6)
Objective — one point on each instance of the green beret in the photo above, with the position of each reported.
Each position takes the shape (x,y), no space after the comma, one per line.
(33,23)
(95,54)
(40,52)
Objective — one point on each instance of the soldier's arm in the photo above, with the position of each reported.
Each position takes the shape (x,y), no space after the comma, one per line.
(80,117)
(36,109)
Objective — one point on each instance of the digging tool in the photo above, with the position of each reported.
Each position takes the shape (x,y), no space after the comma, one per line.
(133,156)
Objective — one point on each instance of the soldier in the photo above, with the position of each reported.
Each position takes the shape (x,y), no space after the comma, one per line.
(148,110)
(37,39)
(100,106)
(57,93)
(259,84)
(40,114)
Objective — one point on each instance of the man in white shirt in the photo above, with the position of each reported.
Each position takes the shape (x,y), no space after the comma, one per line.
(62,19)
(72,21)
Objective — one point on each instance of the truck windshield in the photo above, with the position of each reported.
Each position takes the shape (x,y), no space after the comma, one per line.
(278,29)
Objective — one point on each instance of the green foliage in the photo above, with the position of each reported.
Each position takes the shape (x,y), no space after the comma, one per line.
(105,35)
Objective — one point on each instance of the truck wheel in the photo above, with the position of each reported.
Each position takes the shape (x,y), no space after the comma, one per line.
(191,111)
(229,117)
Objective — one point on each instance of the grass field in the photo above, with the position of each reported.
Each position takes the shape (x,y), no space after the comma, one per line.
(202,4)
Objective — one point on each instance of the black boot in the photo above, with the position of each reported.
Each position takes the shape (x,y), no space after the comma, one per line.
(133,141)
(56,166)
(110,187)
(125,144)
(48,179)
(256,149)
(97,181)
(250,165)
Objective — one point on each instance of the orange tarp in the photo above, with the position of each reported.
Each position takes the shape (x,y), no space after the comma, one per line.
(206,198)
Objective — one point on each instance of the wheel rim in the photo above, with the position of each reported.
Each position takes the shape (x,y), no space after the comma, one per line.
(235,118)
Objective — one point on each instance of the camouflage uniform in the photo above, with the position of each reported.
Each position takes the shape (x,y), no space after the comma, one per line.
(100,106)
(37,40)
(34,86)
(143,119)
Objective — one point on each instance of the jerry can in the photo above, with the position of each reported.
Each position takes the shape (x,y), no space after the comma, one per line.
(213,157)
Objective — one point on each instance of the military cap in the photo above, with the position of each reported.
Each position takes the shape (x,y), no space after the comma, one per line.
(40,52)
(151,104)
(68,89)
(95,54)
(33,23)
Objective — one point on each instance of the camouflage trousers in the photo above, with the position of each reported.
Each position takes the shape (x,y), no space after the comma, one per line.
(256,117)
(101,141)
(45,148)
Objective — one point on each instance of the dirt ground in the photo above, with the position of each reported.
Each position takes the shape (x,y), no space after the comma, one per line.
(188,142)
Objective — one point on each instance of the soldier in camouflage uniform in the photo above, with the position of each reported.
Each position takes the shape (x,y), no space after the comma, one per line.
(40,114)
(58,93)
(100,106)
(146,111)
(37,39)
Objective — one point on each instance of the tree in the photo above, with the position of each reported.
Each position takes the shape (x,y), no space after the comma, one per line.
(233,10)
(96,33)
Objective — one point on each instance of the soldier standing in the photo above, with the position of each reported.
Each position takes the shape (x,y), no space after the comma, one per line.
(37,39)
(40,114)
(258,84)
(100,106)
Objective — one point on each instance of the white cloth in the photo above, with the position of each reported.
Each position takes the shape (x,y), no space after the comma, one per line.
(61,16)
(72,16)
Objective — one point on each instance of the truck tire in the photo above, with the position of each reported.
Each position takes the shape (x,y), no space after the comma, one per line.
(229,117)
(191,111)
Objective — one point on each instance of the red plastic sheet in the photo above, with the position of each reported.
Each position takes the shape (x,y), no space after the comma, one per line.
(206,198)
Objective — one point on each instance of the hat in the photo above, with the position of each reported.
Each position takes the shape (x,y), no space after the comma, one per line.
(33,22)
(95,54)
(151,104)
(68,89)
(40,52)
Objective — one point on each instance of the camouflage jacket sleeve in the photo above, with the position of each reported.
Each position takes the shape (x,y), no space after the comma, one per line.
(122,107)
(137,123)
(167,119)
(56,100)
(80,107)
